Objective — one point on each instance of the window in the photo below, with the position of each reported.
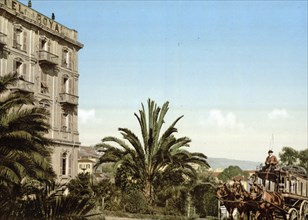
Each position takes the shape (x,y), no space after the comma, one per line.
(64,164)
(66,121)
(44,84)
(20,68)
(20,38)
(66,58)
(66,85)
(45,44)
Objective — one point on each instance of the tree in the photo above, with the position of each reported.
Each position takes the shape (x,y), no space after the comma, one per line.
(81,186)
(26,174)
(204,194)
(291,157)
(158,154)
(288,156)
(230,172)
(24,150)
(303,159)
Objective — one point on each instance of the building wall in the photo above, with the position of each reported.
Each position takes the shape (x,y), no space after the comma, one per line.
(85,166)
(44,53)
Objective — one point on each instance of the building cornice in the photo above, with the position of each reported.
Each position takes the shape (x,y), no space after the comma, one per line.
(16,10)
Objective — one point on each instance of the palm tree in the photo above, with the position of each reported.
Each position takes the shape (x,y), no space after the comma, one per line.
(24,150)
(158,154)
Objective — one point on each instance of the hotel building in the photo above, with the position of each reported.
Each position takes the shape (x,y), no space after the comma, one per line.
(44,54)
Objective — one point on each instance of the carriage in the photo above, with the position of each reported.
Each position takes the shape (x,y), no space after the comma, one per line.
(291,182)
(280,193)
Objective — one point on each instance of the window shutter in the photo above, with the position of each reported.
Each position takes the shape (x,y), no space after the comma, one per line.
(63,121)
(14,67)
(61,164)
(69,81)
(15,39)
(70,60)
(63,85)
(70,165)
(63,58)
(49,46)
(25,40)
(24,71)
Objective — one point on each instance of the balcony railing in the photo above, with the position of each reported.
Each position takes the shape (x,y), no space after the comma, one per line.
(2,39)
(24,86)
(68,98)
(45,57)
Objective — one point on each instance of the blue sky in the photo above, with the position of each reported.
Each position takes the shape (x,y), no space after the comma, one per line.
(236,70)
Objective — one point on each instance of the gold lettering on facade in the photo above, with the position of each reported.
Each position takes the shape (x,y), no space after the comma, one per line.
(57,28)
(14,5)
(20,9)
(45,21)
(40,19)
(50,22)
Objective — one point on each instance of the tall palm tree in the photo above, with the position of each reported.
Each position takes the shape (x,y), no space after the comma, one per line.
(158,154)
(24,150)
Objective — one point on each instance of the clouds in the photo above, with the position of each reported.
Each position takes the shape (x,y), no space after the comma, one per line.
(224,121)
(86,116)
(278,114)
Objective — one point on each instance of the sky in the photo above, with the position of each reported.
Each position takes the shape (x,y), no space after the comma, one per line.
(236,70)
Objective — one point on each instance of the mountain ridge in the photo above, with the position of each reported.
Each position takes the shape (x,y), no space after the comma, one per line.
(222,163)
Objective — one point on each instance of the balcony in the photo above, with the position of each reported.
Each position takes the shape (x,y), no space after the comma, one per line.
(24,86)
(2,39)
(45,57)
(66,98)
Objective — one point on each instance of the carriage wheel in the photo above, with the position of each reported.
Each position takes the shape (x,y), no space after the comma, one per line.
(293,214)
(304,210)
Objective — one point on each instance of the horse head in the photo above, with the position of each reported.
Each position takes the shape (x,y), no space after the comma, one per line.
(256,191)
(222,191)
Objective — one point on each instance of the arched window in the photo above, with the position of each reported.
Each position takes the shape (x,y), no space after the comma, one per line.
(64,164)
(20,38)
(20,68)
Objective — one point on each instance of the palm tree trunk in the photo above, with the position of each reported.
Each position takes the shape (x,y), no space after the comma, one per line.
(148,191)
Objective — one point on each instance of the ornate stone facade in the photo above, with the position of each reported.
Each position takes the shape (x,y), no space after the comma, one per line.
(44,53)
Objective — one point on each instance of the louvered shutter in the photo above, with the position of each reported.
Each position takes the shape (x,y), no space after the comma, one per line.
(15,39)
(25,40)
(70,61)
(24,71)
(14,66)
(70,164)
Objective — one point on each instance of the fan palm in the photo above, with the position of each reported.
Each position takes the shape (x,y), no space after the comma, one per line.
(158,154)
(24,150)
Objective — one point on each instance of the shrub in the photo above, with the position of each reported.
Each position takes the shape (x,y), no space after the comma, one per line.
(134,202)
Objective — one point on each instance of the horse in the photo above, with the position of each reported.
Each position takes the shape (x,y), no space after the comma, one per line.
(245,204)
(225,194)
(268,202)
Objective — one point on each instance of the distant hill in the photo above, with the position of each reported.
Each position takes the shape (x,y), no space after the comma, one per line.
(222,163)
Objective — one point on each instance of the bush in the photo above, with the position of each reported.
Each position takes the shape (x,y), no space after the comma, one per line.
(134,202)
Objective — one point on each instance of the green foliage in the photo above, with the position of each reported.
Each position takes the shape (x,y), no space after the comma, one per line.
(288,156)
(36,201)
(140,163)
(134,201)
(204,198)
(230,172)
(24,149)
(291,157)
(125,179)
(81,186)
(26,175)
(106,195)
(303,159)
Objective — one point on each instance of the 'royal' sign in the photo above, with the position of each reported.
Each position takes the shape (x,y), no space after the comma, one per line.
(33,15)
